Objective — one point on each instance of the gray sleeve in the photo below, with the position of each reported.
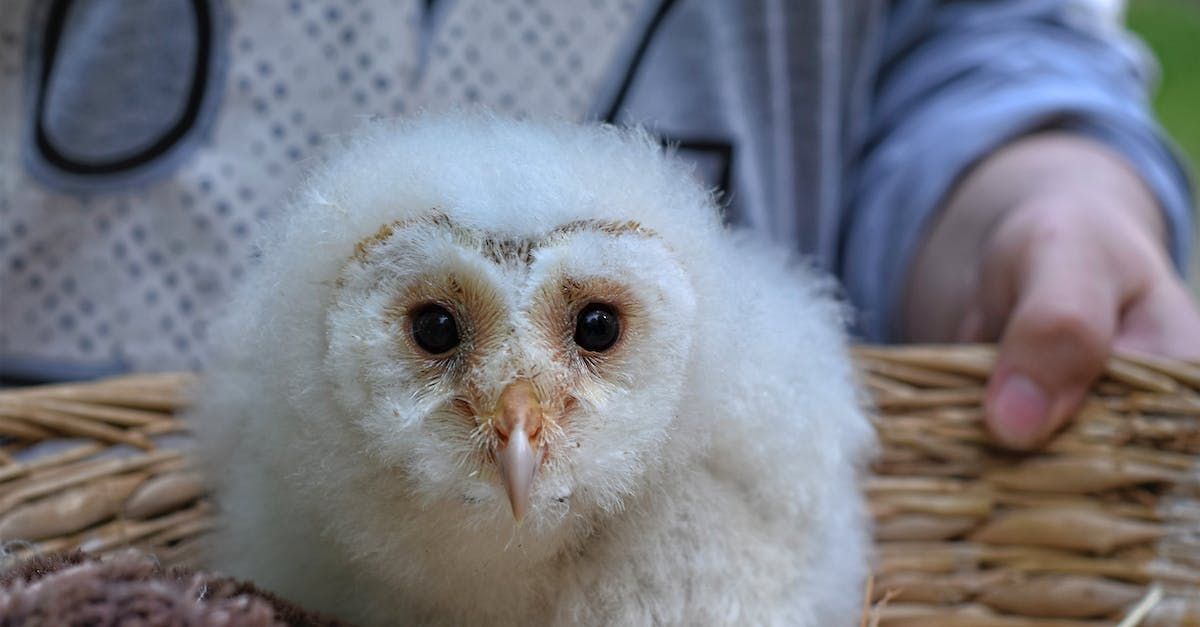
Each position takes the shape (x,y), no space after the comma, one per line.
(959,79)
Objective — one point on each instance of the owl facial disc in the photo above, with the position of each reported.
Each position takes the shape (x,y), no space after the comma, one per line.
(518,422)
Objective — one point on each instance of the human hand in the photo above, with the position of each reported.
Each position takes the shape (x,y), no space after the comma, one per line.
(1054,247)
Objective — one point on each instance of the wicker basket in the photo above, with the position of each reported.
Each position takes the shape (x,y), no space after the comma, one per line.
(1101,527)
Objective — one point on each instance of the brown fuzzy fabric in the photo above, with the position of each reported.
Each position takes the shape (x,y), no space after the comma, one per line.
(133,590)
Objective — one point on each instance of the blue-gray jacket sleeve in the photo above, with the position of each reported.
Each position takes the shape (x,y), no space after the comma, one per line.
(958,79)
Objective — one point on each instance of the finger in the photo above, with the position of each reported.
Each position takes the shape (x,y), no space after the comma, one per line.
(1164,321)
(1054,344)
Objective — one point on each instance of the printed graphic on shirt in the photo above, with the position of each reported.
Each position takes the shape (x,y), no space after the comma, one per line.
(128,275)
(114,92)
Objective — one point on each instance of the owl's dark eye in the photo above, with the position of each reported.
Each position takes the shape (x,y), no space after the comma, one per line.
(597,327)
(434,329)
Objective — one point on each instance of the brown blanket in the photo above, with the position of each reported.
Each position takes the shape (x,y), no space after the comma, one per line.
(132,589)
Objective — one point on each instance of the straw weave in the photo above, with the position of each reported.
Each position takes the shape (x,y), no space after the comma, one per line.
(967,535)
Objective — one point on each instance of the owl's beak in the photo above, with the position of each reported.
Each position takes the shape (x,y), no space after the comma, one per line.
(519,423)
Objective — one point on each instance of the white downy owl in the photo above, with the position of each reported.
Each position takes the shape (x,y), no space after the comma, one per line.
(500,372)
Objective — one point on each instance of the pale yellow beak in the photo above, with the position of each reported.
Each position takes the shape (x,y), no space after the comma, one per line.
(518,422)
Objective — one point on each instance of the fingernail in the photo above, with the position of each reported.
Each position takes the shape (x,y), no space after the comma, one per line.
(1019,411)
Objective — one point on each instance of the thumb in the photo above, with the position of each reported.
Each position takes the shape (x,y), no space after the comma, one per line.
(1055,343)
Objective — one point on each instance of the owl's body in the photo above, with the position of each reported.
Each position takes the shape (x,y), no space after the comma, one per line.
(458,304)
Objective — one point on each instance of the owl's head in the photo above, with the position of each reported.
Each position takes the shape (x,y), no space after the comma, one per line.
(512,373)
(473,320)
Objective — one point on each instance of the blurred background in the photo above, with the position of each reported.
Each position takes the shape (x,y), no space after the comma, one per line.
(1172,29)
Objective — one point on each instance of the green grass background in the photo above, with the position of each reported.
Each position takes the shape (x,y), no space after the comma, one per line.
(1172,30)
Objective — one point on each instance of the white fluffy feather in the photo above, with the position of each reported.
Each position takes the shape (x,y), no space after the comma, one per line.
(710,476)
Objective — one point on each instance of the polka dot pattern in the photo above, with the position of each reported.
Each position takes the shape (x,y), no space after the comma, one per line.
(135,275)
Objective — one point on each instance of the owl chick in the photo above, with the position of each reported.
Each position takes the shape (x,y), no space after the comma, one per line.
(499,372)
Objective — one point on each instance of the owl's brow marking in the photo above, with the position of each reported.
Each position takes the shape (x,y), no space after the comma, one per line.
(608,227)
(380,236)
(433,218)
(497,249)
(521,249)
(501,250)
